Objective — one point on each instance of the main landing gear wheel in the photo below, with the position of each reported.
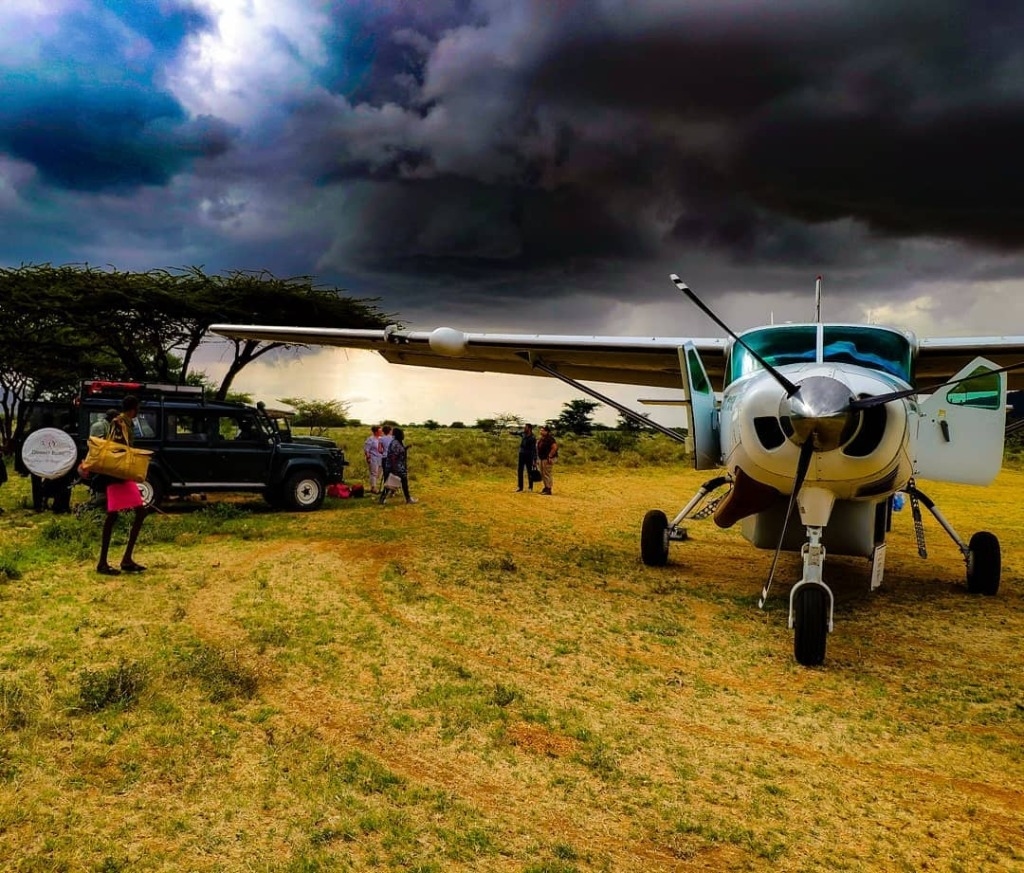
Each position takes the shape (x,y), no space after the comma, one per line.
(810,623)
(654,539)
(984,564)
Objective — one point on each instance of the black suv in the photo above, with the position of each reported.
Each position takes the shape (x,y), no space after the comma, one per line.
(205,445)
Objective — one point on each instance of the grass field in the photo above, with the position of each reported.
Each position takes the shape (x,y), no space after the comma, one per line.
(492,681)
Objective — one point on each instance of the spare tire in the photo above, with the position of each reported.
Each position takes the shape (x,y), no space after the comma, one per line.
(49,453)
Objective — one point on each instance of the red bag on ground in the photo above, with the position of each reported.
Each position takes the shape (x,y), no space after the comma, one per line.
(339,490)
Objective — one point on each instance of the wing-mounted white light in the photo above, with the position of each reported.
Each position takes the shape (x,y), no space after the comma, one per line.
(449,342)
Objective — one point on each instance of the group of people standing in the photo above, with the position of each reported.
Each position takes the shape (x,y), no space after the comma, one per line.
(387,461)
(536,458)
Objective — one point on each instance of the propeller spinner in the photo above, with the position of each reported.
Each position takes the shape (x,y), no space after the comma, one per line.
(820,411)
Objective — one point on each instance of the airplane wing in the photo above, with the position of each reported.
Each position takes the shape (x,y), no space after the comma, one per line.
(648,361)
(940,358)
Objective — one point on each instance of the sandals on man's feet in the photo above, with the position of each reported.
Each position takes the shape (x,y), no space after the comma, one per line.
(107,570)
(131,567)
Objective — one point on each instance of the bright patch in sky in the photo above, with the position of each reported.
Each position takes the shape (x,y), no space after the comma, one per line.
(258,54)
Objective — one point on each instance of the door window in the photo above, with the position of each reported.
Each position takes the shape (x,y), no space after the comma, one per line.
(981,390)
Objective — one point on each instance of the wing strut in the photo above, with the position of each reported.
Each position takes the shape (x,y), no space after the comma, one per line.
(638,417)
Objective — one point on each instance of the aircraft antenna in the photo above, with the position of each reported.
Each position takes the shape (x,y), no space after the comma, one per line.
(817,300)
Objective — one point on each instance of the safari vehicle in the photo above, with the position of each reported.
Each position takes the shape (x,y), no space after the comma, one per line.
(203,446)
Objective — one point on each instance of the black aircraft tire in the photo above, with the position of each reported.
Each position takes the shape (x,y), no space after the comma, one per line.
(984,564)
(654,539)
(810,621)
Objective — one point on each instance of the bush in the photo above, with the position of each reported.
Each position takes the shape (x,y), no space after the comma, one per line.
(113,686)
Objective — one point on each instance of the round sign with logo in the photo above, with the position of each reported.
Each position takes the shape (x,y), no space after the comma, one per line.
(49,453)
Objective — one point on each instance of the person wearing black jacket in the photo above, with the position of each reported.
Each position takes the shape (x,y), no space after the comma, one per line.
(527,456)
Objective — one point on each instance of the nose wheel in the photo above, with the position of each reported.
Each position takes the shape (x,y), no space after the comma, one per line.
(810,605)
(810,609)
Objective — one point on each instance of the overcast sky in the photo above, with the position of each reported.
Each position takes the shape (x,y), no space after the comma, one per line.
(536,166)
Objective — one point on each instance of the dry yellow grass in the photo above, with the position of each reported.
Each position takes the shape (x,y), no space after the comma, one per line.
(492,681)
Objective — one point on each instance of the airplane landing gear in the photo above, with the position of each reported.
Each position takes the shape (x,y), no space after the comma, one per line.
(656,532)
(982,554)
(811,604)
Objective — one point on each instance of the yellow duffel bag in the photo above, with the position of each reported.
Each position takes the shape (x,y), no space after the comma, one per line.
(110,458)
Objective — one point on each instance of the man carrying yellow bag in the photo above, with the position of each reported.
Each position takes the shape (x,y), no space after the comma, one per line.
(119,465)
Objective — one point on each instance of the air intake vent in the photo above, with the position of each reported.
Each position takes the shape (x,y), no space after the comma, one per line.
(869,435)
(769,432)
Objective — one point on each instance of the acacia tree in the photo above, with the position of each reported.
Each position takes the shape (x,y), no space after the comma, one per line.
(61,324)
(42,356)
(577,416)
(318,415)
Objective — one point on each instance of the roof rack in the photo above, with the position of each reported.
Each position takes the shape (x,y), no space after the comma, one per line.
(103,388)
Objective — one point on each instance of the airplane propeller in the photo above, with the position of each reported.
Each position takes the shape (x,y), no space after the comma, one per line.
(791,388)
(880,399)
(803,464)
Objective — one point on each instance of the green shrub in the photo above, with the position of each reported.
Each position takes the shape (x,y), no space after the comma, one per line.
(111,686)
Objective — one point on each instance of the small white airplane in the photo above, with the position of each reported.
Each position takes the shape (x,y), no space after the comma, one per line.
(831,419)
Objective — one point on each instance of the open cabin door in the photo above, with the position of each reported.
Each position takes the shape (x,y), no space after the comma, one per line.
(961,427)
(707,449)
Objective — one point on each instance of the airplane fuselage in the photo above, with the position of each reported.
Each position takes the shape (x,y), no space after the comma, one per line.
(874,458)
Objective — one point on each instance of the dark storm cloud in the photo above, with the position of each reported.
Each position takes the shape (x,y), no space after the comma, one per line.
(93,138)
(508,150)
(628,128)
(906,117)
(88,110)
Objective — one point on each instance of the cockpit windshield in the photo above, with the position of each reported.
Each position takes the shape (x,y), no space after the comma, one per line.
(784,344)
(872,347)
(876,348)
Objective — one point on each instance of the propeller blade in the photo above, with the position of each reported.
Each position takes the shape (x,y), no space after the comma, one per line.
(802,466)
(790,387)
(879,399)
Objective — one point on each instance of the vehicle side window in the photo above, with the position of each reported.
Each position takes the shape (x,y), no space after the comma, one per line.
(186,428)
(145,424)
(236,428)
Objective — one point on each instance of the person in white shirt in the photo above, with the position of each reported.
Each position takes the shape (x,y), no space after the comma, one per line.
(374,453)
(385,441)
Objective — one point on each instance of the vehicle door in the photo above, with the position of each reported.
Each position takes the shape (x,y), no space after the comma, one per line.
(960,428)
(241,449)
(185,451)
(707,449)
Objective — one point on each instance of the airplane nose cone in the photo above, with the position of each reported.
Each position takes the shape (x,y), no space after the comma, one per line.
(820,411)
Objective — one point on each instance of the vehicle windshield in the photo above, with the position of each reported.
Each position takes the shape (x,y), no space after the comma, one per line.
(876,348)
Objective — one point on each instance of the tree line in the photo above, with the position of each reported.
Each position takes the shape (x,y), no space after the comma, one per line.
(62,325)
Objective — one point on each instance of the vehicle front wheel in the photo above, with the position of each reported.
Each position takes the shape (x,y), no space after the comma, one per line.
(152,491)
(304,491)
